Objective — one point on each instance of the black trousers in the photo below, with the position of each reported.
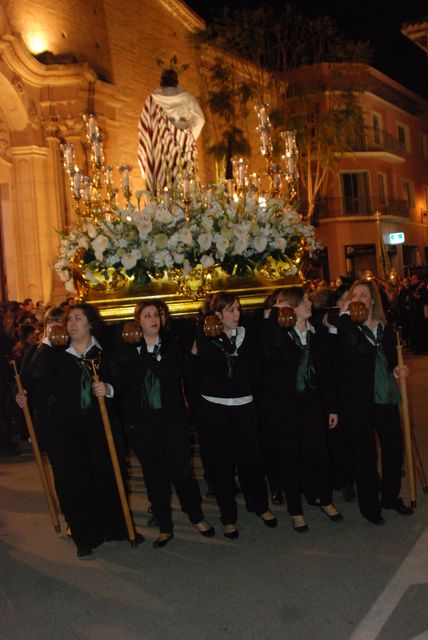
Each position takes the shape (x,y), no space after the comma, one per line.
(84,479)
(161,443)
(385,422)
(304,453)
(230,435)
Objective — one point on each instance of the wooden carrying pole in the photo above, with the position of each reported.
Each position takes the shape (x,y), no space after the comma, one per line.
(419,466)
(36,450)
(115,462)
(407,431)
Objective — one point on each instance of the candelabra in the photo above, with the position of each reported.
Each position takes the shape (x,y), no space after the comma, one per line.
(94,195)
(282,177)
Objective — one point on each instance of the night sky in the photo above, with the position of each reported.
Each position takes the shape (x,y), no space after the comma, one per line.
(376,21)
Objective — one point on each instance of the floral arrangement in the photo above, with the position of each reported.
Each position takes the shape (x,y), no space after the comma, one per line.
(147,243)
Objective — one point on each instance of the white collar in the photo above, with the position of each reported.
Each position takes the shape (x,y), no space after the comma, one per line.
(94,343)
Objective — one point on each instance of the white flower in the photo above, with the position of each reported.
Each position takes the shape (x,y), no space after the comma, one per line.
(222,243)
(83,242)
(129,260)
(186,236)
(178,257)
(205,240)
(161,240)
(144,226)
(260,243)
(163,215)
(280,243)
(207,261)
(91,230)
(99,245)
(241,245)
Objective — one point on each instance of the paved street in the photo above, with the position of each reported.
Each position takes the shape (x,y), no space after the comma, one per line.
(349,580)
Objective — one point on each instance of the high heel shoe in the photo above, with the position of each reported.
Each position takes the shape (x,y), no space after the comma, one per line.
(231,532)
(208,532)
(268,521)
(162,542)
(334,517)
(299,524)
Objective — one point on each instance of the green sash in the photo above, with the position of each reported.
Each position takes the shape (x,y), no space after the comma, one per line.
(86,377)
(306,375)
(385,389)
(151,390)
(228,346)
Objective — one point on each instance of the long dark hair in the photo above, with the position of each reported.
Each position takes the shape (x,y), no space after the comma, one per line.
(96,323)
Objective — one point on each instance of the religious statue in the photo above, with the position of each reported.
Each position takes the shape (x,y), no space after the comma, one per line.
(170,123)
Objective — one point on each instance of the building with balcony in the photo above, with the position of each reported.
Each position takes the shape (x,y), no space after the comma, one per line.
(380,187)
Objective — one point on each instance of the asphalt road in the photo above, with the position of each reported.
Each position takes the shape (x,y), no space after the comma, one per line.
(349,580)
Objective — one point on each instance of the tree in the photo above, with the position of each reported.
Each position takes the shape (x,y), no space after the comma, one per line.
(308,73)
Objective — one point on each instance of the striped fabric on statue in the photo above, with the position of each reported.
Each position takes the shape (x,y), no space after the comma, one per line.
(162,147)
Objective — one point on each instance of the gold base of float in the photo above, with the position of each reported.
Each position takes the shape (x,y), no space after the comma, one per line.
(116,297)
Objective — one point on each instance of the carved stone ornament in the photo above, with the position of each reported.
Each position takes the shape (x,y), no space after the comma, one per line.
(33,115)
(18,84)
(4,140)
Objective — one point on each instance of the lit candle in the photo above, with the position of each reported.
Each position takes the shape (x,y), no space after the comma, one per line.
(96,144)
(92,125)
(186,185)
(210,196)
(265,142)
(230,187)
(68,152)
(241,172)
(263,116)
(166,197)
(108,173)
(76,183)
(125,179)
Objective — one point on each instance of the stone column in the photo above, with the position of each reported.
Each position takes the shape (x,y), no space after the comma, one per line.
(34,224)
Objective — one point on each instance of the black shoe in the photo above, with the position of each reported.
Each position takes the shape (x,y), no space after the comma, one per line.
(377,520)
(336,517)
(400,507)
(208,533)
(162,542)
(232,535)
(302,528)
(348,492)
(269,522)
(139,539)
(82,552)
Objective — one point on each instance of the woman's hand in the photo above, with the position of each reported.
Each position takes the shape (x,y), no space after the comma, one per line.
(401,372)
(21,399)
(100,389)
(333,420)
(194,349)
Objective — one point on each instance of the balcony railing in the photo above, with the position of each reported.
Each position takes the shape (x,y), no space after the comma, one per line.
(363,206)
(374,139)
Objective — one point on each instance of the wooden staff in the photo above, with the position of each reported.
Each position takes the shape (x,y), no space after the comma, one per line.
(407,431)
(419,466)
(36,450)
(115,461)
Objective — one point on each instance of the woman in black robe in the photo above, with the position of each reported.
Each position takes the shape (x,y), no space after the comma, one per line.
(298,402)
(73,430)
(369,402)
